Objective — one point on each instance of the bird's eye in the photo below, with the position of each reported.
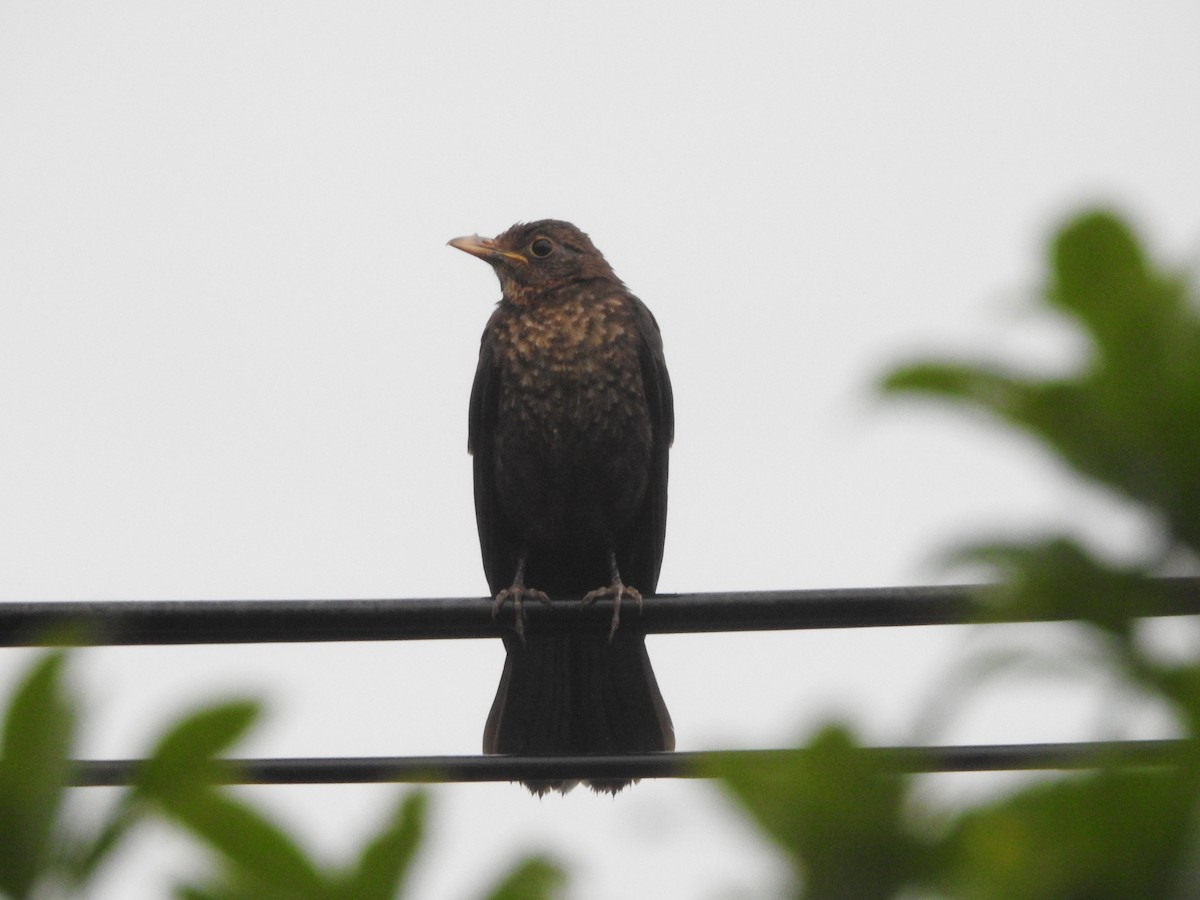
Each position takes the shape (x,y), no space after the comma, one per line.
(541,248)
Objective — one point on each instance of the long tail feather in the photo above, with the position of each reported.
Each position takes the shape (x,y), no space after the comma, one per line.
(576,694)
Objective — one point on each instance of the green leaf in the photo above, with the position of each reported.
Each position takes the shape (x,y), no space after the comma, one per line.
(1128,418)
(185,758)
(834,809)
(258,852)
(992,389)
(1100,275)
(385,860)
(1179,684)
(191,892)
(86,856)
(1107,835)
(1057,579)
(964,681)
(237,887)
(38,733)
(179,777)
(533,878)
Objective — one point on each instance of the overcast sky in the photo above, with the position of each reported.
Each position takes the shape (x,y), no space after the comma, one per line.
(235,352)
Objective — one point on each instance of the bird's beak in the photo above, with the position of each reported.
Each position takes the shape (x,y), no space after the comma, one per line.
(486,249)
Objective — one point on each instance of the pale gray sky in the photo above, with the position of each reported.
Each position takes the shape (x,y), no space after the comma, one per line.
(235,353)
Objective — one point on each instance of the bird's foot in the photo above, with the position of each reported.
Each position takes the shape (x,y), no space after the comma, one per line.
(618,590)
(517,594)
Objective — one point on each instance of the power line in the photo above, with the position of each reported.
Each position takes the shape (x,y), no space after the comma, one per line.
(267,621)
(420,769)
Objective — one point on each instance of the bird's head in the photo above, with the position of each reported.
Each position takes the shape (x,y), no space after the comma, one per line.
(536,258)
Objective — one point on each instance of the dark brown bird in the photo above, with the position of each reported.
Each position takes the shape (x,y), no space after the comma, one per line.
(571,417)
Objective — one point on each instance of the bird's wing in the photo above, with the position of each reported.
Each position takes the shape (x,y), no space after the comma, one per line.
(648,534)
(496,539)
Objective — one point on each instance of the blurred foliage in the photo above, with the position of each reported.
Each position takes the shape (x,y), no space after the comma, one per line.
(1128,420)
(33,769)
(832,806)
(536,876)
(44,854)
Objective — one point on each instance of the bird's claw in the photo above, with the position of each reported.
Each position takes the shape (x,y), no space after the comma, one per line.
(618,590)
(516,594)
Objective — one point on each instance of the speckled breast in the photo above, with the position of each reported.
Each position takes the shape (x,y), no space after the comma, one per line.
(571,373)
(573,431)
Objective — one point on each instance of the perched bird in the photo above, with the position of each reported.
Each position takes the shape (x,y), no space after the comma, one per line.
(571,417)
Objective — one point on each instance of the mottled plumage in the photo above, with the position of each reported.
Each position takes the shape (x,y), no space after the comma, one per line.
(571,419)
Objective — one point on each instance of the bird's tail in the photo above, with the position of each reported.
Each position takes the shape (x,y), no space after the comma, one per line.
(578,693)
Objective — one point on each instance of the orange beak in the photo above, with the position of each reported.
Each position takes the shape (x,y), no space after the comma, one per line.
(486,249)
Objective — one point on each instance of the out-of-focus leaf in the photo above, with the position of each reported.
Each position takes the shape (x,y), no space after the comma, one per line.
(1056,578)
(999,392)
(185,758)
(1129,418)
(964,681)
(385,860)
(86,858)
(38,732)
(1100,275)
(191,892)
(835,810)
(534,878)
(1180,684)
(1105,836)
(178,777)
(258,852)
(240,887)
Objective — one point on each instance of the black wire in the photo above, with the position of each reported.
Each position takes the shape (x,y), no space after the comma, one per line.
(262,621)
(422,769)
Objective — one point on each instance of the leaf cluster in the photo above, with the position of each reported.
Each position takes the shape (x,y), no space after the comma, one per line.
(1128,420)
(43,854)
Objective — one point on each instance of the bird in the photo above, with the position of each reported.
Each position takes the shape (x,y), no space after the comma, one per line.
(571,417)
